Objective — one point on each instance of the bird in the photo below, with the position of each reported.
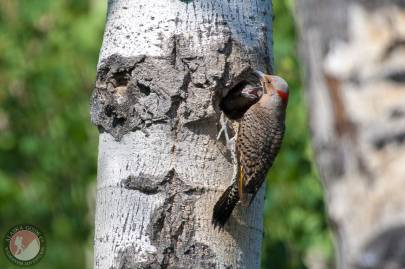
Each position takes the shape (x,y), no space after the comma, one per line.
(258,141)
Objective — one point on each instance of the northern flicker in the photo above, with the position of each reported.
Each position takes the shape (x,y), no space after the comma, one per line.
(258,141)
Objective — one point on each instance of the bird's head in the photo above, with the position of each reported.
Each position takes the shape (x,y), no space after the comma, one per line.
(273,85)
(252,93)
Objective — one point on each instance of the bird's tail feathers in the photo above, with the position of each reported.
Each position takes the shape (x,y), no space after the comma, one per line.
(225,205)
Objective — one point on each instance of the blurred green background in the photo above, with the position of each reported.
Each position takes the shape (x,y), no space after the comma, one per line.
(48,148)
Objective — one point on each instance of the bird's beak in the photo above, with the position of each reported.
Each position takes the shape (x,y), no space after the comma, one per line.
(259,74)
(252,93)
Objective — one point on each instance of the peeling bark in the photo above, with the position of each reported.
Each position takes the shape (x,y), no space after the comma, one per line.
(355,71)
(164,68)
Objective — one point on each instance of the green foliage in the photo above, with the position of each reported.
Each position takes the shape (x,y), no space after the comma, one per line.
(295,223)
(48,147)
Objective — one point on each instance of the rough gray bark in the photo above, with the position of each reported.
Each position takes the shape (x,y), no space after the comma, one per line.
(164,67)
(354,54)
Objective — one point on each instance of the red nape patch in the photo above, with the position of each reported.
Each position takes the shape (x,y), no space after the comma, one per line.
(283,95)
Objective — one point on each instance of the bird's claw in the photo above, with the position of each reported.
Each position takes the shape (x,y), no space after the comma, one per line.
(230,144)
(224,127)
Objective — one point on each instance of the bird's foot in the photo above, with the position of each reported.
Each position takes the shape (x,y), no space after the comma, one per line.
(224,127)
(230,144)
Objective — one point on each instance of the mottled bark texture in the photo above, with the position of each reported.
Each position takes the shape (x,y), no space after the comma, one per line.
(354,54)
(164,68)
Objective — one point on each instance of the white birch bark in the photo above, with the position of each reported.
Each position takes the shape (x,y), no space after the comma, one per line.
(163,67)
(354,52)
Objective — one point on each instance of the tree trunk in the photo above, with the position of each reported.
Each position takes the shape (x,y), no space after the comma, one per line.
(354,53)
(163,68)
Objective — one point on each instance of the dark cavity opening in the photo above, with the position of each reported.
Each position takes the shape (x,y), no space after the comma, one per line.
(143,88)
